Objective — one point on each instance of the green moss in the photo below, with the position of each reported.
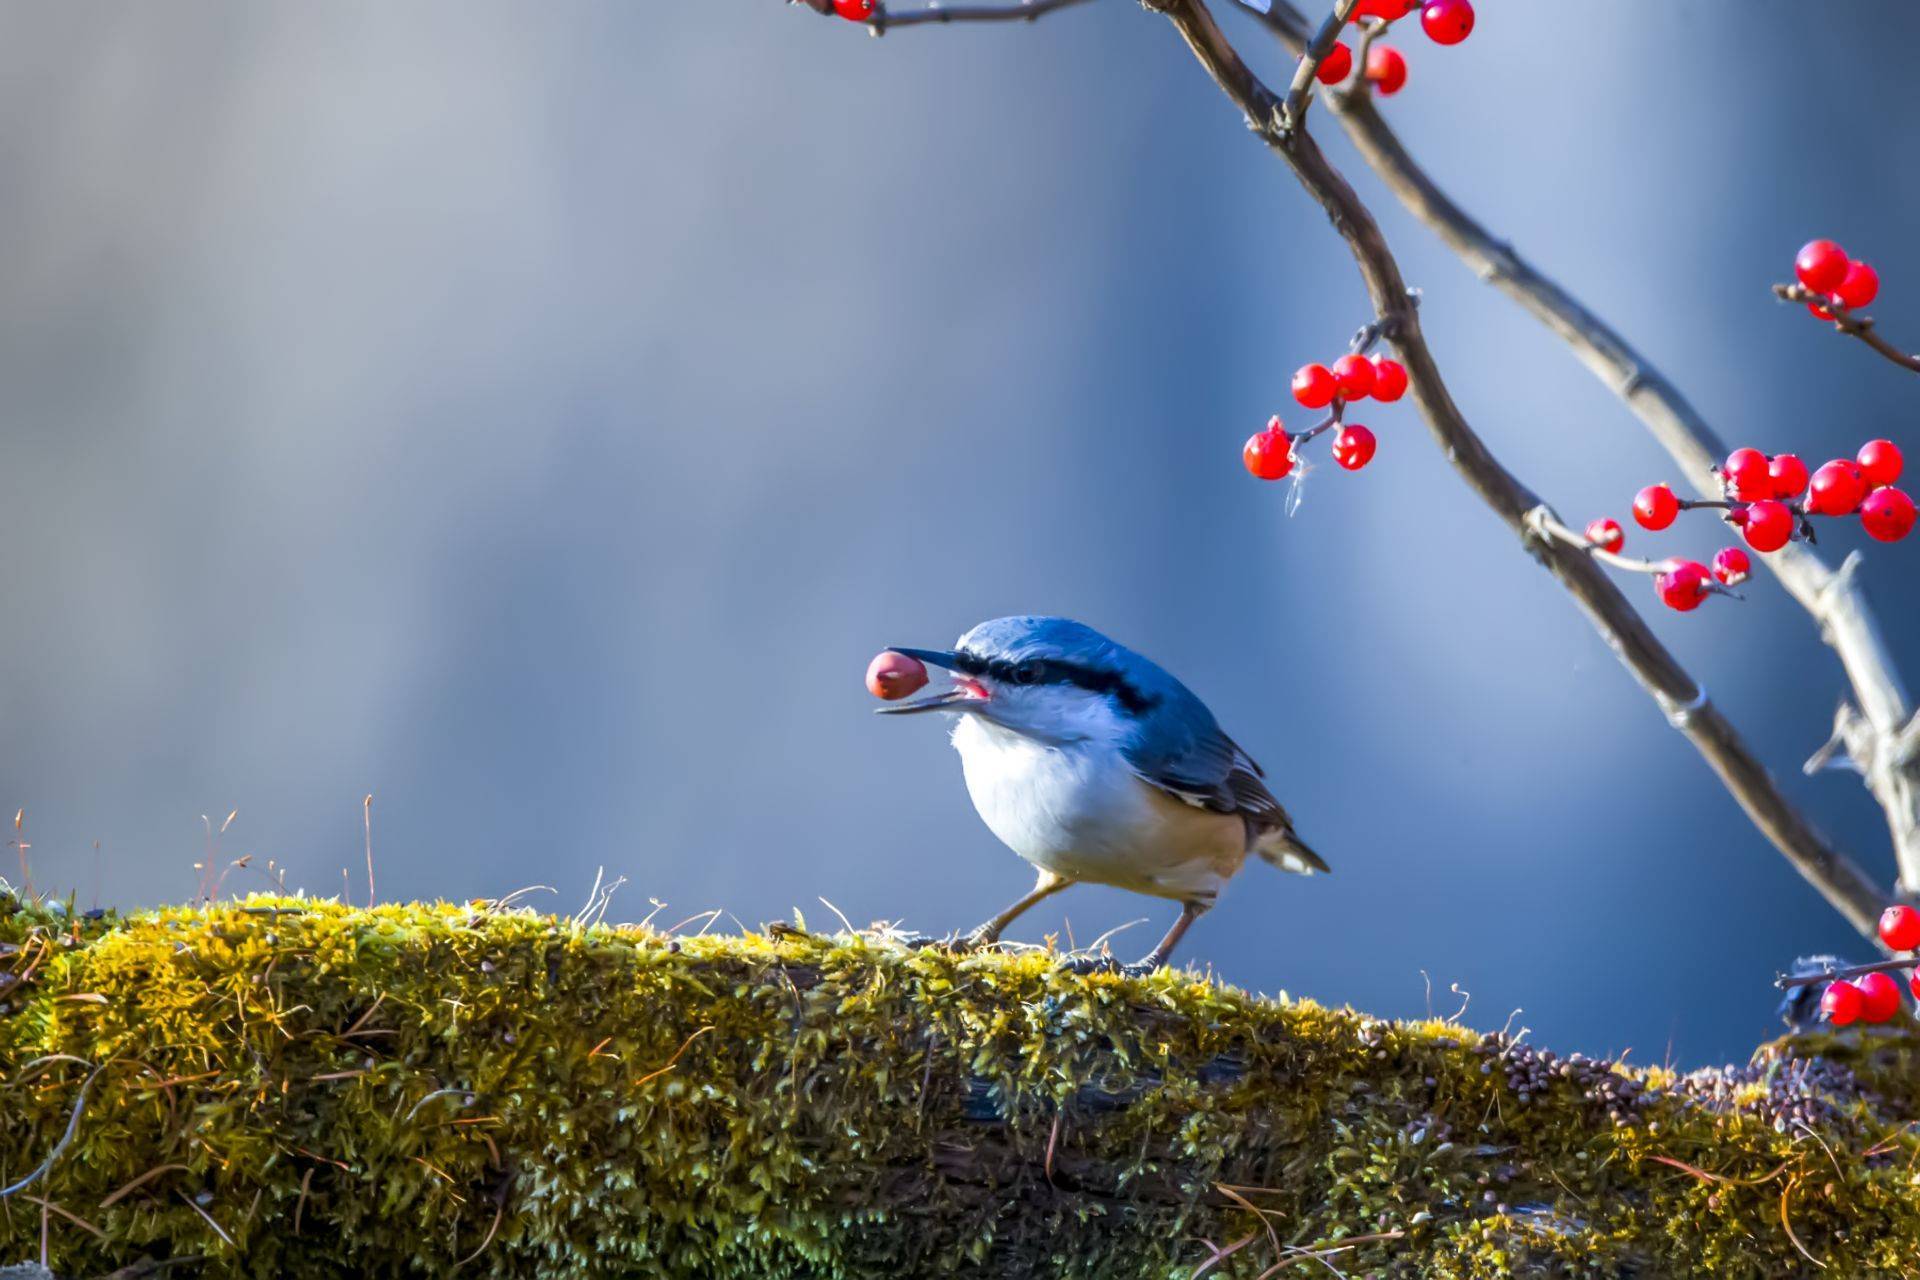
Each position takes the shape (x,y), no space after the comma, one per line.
(295,1088)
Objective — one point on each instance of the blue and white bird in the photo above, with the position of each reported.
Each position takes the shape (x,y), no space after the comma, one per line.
(1094,764)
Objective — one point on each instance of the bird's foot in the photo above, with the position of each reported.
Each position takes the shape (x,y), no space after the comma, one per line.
(1084,964)
(957,943)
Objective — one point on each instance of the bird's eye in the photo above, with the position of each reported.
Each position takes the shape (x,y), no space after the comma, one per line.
(1027,672)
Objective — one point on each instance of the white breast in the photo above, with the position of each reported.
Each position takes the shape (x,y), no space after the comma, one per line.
(1078,810)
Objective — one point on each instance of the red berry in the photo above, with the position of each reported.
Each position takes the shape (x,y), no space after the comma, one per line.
(1766,525)
(1389,379)
(1887,515)
(1745,476)
(1821,265)
(1880,462)
(1655,507)
(1268,454)
(1913,985)
(1731,566)
(1336,66)
(1681,584)
(1818,312)
(1390,10)
(1314,386)
(1840,1003)
(1900,928)
(1607,534)
(1447,21)
(1836,489)
(1857,288)
(854,10)
(1386,69)
(894,675)
(1353,447)
(1354,373)
(1789,476)
(1879,996)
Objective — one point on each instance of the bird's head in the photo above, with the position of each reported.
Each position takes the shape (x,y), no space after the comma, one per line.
(1047,678)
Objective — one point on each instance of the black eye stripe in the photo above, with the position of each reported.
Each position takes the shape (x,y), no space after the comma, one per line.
(1034,671)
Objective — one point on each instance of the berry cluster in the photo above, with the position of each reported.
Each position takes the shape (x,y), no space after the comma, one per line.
(1444,21)
(1769,500)
(1873,995)
(1272,453)
(1824,269)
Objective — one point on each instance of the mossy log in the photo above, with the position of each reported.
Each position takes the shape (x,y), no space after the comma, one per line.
(293,1088)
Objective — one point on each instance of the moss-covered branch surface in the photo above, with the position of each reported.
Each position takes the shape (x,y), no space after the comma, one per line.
(294,1088)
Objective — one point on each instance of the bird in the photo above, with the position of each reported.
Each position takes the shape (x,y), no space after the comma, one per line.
(1097,766)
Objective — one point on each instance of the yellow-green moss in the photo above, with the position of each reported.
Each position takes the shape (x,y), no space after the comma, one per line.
(385,1092)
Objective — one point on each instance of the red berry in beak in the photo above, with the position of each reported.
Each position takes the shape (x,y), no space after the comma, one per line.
(892,676)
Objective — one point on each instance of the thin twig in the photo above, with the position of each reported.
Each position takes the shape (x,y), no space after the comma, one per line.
(1790,981)
(218,1230)
(1293,112)
(1850,323)
(1024,11)
(1684,701)
(366,812)
(73,1126)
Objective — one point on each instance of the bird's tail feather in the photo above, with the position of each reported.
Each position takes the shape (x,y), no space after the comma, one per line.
(1287,851)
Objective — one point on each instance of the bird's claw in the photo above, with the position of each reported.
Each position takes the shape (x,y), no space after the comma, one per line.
(957,943)
(1107,964)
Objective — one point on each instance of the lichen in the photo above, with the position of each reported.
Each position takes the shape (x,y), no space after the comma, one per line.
(291,1087)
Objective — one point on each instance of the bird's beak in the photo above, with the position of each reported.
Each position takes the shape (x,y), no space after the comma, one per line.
(966,691)
(945,659)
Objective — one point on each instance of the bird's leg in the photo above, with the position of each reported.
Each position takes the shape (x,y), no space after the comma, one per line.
(989,933)
(1163,951)
(1154,959)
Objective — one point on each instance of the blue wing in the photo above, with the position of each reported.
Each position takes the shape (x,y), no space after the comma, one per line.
(1182,750)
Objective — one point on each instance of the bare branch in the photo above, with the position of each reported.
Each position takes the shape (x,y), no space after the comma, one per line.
(1685,702)
(1848,322)
(1789,981)
(1835,599)
(1023,11)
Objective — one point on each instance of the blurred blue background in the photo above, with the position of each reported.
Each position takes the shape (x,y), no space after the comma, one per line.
(536,416)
